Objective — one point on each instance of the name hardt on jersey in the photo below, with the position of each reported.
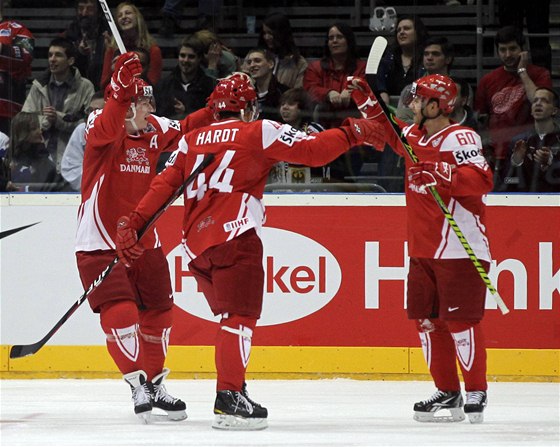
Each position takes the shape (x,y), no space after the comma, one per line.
(136,161)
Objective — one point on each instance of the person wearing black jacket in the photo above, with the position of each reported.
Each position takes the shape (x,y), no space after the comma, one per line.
(187,87)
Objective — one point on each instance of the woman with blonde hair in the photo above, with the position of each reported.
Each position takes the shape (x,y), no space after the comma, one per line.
(135,34)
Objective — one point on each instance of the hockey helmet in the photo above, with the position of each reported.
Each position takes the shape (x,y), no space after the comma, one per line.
(144,91)
(435,86)
(235,94)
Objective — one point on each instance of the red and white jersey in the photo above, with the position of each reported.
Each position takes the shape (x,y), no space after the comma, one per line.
(429,232)
(118,169)
(225,200)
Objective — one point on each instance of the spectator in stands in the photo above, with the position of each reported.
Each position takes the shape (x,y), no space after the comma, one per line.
(276,35)
(171,13)
(437,58)
(32,168)
(219,61)
(462,114)
(16,54)
(135,34)
(5,183)
(187,87)
(88,31)
(295,110)
(504,96)
(401,63)
(535,154)
(537,17)
(60,95)
(259,64)
(73,158)
(325,79)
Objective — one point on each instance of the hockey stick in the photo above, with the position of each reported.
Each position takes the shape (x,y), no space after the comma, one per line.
(112,26)
(18,351)
(375,54)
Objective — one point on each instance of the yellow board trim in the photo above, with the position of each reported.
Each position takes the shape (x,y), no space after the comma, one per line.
(276,362)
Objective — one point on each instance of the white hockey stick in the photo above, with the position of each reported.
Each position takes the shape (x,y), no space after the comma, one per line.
(375,54)
(112,25)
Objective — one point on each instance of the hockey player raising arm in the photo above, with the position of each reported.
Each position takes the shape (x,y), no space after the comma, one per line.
(445,296)
(223,216)
(123,144)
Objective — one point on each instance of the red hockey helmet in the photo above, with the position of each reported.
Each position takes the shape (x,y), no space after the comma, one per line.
(143,91)
(234,94)
(438,87)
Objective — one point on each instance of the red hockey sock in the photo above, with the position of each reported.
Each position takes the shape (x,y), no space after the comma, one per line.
(439,352)
(155,327)
(470,347)
(233,346)
(119,320)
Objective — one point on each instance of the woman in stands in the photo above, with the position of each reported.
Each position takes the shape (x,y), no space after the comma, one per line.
(276,35)
(402,60)
(32,168)
(325,81)
(135,34)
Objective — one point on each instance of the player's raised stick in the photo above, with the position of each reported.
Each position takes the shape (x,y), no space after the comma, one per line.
(375,54)
(112,25)
(18,351)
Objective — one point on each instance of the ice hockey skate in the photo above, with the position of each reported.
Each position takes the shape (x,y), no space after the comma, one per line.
(449,402)
(161,399)
(474,408)
(235,411)
(140,394)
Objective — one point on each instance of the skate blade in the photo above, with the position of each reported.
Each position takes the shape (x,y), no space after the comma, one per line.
(455,415)
(144,416)
(229,422)
(159,415)
(476,418)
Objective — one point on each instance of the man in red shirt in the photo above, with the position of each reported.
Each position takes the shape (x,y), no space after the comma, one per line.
(505,94)
(223,216)
(16,54)
(123,144)
(445,294)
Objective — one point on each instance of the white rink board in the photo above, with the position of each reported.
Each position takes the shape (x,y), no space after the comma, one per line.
(38,276)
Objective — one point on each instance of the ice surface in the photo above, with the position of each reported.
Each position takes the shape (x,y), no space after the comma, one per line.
(335,412)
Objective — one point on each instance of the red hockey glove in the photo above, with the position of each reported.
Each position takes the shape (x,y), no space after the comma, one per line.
(362,131)
(127,68)
(364,97)
(429,173)
(128,247)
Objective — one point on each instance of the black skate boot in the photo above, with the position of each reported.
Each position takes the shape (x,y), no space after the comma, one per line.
(259,409)
(235,412)
(474,408)
(425,411)
(175,408)
(140,394)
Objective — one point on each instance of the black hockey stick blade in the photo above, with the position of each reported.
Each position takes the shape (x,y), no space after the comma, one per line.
(18,351)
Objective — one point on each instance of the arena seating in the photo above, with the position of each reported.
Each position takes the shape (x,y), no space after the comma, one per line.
(458,23)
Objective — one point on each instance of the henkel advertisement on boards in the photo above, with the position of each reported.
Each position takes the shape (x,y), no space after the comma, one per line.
(336,276)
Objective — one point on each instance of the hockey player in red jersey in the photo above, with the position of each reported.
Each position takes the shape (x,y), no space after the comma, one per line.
(223,216)
(123,144)
(445,294)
